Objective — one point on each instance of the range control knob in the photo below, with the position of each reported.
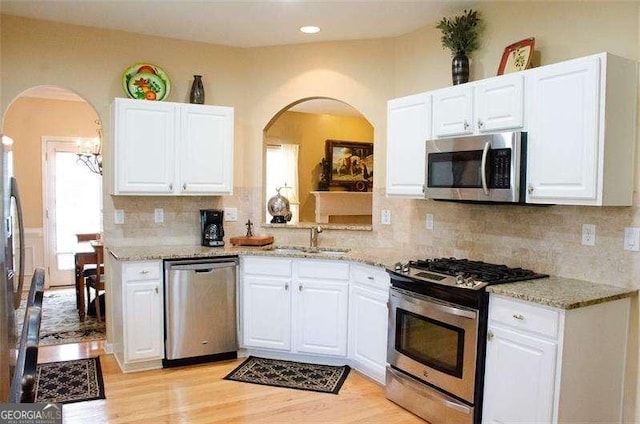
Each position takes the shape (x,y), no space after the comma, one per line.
(469,282)
(405,268)
(459,279)
(397,266)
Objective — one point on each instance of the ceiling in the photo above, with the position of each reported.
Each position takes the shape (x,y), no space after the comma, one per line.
(242,23)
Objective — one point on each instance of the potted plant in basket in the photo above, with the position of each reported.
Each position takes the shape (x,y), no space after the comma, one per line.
(460,35)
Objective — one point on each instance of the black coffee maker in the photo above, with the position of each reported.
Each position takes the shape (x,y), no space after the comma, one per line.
(211,227)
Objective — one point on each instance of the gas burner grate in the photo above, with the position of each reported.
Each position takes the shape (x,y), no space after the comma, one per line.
(478,270)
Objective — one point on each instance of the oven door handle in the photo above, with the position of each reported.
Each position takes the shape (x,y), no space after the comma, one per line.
(420,301)
(483,168)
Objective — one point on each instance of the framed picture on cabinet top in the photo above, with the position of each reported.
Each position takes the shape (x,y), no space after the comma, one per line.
(351,164)
(517,56)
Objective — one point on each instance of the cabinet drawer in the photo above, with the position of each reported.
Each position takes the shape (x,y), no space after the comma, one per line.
(267,266)
(323,269)
(524,316)
(136,271)
(370,276)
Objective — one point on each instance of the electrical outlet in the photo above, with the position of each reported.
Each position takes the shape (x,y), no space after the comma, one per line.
(385,217)
(632,239)
(118,216)
(588,235)
(428,223)
(230,214)
(158,215)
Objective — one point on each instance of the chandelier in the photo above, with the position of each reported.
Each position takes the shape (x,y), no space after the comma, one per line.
(90,151)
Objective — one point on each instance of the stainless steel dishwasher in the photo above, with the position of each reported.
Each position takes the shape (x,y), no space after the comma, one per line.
(200,310)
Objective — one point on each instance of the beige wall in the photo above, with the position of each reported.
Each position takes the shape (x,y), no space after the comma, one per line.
(365,74)
(310,131)
(26,122)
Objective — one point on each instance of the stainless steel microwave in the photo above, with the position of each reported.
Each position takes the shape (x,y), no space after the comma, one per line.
(489,168)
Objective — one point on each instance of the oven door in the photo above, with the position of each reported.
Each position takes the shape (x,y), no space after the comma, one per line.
(477,168)
(434,341)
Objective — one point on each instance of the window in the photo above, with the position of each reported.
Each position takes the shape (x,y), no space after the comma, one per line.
(282,172)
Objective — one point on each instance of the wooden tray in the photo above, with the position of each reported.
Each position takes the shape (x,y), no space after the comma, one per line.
(251,241)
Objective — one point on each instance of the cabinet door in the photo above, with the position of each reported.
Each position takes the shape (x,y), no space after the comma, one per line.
(144,146)
(564,133)
(453,111)
(519,378)
(267,312)
(205,150)
(499,103)
(368,321)
(321,309)
(143,326)
(408,128)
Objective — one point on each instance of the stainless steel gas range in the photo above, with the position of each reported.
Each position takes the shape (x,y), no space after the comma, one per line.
(437,335)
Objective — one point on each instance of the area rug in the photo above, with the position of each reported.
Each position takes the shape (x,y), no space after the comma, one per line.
(292,375)
(69,381)
(60,321)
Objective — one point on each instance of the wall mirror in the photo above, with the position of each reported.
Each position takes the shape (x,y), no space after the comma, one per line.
(319,153)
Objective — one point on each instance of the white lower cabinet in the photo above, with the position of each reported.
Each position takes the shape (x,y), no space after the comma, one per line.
(136,291)
(552,365)
(326,308)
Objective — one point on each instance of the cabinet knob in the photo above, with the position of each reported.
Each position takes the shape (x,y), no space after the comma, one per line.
(171,186)
(480,124)
(286,287)
(156,290)
(300,287)
(490,335)
(530,189)
(518,317)
(466,125)
(370,277)
(184,186)
(144,271)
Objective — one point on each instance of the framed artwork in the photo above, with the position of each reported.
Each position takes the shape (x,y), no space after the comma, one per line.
(517,56)
(351,164)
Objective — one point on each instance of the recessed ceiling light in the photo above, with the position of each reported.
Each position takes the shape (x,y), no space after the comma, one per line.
(310,29)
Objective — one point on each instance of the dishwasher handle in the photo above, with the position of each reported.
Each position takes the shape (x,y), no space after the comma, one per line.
(200,266)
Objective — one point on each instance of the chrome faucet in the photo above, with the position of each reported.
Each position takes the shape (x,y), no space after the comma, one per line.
(313,239)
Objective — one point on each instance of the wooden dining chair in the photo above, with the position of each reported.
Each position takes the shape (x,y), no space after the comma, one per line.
(88,269)
(96,282)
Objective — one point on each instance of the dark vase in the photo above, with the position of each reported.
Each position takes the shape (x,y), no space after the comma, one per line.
(460,68)
(197,90)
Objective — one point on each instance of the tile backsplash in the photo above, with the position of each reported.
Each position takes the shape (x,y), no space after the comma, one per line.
(543,238)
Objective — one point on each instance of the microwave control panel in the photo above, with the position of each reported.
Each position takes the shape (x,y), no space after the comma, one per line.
(500,168)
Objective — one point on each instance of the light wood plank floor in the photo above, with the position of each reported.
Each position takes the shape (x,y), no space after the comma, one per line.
(197,394)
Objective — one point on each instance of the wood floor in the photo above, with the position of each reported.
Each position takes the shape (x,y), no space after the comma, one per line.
(197,394)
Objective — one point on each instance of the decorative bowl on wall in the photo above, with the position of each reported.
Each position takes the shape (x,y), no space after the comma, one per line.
(146,81)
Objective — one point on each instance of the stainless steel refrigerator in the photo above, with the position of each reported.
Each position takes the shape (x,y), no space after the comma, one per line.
(11,267)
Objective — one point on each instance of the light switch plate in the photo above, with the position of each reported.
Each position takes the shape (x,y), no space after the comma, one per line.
(230,214)
(385,217)
(158,215)
(632,239)
(588,235)
(118,216)
(429,221)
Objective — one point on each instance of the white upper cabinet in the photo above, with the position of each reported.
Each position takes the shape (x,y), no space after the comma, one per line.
(408,128)
(582,132)
(499,103)
(453,111)
(490,105)
(166,148)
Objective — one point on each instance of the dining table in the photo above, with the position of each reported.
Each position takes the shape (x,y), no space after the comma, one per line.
(87,253)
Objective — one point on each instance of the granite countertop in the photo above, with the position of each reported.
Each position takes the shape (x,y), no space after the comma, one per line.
(562,293)
(558,292)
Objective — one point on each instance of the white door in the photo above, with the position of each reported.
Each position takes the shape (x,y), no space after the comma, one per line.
(564,135)
(73,205)
(368,328)
(205,149)
(267,312)
(321,309)
(453,111)
(519,378)
(145,134)
(408,128)
(143,321)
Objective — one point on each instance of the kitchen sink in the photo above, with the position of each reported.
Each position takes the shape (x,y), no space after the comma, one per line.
(312,250)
